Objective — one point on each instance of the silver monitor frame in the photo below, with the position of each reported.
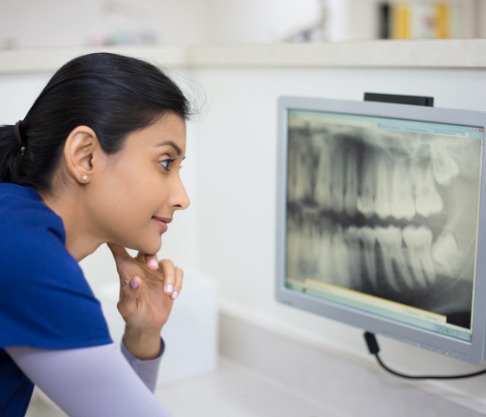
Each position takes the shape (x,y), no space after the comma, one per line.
(473,351)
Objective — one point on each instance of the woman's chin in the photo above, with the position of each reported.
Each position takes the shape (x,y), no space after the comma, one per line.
(149,248)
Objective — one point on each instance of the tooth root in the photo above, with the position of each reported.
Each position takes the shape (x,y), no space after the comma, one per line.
(402,205)
(351,236)
(390,240)
(445,169)
(323,183)
(293,190)
(446,253)
(301,263)
(291,173)
(382,202)
(307,262)
(419,242)
(292,247)
(427,198)
(366,198)
(351,193)
(426,251)
(302,166)
(324,261)
(314,246)
(339,253)
(413,246)
(382,240)
(337,185)
(368,238)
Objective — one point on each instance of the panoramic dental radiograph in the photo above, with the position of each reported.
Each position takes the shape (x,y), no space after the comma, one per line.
(392,214)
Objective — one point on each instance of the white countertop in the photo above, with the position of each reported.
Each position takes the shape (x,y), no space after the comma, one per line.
(230,391)
(469,53)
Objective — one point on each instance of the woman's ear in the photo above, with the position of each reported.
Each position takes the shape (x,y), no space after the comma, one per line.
(79,153)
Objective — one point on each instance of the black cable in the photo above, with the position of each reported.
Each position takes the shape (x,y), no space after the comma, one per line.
(374,349)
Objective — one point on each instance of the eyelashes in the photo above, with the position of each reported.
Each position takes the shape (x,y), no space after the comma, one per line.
(166,163)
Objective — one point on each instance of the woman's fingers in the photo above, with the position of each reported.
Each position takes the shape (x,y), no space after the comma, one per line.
(169,274)
(127,305)
(172,278)
(167,268)
(150,260)
(179,276)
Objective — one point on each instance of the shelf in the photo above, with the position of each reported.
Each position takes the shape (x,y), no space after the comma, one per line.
(382,54)
(418,53)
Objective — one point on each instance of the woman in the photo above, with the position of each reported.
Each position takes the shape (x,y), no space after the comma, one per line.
(96,160)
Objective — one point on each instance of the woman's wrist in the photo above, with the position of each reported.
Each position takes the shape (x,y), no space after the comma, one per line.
(143,344)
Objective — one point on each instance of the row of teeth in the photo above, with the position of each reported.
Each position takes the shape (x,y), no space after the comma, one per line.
(376,181)
(410,259)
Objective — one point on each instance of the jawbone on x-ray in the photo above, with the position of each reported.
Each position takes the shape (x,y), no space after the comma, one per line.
(391,214)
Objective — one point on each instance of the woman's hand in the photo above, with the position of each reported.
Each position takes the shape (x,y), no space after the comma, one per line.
(147,290)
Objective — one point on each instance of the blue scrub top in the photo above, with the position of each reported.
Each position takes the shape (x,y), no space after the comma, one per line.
(45,300)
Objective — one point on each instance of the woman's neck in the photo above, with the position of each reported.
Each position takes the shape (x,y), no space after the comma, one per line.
(80,242)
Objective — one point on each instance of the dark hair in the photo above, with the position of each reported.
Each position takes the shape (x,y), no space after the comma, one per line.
(112,94)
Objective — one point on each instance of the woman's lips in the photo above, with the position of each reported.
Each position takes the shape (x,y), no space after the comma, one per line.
(162,222)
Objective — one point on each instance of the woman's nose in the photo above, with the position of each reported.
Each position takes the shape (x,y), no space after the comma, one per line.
(180,199)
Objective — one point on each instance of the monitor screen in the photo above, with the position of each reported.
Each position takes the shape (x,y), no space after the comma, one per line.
(380,220)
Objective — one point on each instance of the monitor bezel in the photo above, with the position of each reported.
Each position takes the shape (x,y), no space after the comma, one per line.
(473,351)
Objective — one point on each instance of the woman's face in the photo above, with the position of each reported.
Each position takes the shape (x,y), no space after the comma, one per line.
(134,195)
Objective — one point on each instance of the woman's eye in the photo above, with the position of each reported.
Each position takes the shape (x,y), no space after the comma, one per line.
(166,163)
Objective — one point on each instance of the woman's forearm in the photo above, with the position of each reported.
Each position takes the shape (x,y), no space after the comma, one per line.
(89,382)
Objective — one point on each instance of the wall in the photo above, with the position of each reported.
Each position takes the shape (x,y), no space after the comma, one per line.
(72,23)
(89,22)
(253,21)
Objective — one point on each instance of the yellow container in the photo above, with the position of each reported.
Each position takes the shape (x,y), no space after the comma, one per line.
(401,21)
(442,20)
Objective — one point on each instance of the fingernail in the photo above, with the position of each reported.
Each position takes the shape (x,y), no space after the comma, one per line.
(134,283)
(174,295)
(153,263)
(169,288)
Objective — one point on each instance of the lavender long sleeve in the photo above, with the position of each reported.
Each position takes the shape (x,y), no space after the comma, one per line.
(96,381)
(146,370)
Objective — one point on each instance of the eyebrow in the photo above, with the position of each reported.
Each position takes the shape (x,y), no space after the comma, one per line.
(173,144)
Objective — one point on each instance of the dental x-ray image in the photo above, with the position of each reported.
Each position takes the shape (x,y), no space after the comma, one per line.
(382,211)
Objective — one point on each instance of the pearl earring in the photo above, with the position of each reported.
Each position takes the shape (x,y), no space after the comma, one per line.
(84,178)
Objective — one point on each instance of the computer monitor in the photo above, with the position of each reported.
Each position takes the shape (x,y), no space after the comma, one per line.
(381,219)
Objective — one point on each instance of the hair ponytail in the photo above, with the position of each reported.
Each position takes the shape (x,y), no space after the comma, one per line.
(113,94)
(10,154)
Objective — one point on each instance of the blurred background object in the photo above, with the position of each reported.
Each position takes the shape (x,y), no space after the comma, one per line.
(23,23)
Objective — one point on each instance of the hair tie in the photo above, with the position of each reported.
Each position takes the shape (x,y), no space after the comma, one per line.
(19,137)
